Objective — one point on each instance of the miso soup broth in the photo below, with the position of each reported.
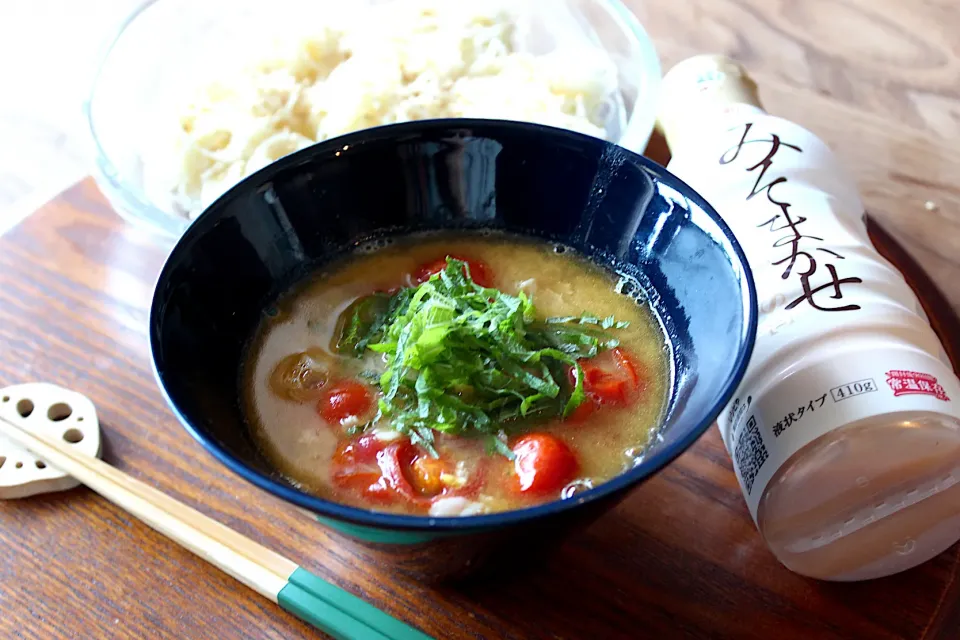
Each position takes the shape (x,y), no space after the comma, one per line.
(456,375)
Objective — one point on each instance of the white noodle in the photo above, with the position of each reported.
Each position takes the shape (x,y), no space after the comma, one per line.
(404,60)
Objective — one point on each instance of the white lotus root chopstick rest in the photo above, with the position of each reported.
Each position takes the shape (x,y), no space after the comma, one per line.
(52,411)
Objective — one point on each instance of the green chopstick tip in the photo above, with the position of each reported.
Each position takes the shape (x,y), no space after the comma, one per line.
(340,613)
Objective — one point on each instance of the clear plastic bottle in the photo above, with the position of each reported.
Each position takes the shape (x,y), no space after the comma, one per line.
(845,433)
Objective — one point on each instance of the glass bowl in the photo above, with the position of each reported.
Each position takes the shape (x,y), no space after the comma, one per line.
(155,52)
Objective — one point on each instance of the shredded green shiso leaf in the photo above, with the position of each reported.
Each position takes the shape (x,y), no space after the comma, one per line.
(469,360)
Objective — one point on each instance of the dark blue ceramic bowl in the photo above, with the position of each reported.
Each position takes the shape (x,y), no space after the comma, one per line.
(614,206)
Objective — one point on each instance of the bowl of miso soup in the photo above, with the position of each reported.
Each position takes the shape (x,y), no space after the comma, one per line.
(451,341)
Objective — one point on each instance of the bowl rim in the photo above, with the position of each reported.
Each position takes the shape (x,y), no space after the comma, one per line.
(171,227)
(401,522)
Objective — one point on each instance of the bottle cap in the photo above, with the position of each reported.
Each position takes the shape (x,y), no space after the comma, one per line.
(699,91)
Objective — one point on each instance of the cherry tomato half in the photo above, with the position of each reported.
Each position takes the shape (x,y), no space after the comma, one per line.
(582,412)
(355,468)
(400,471)
(479,271)
(543,463)
(395,462)
(360,450)
(627,366)
(426,473)
(382,479)
(607,389)
(608,379)
(370,485)
(345,400)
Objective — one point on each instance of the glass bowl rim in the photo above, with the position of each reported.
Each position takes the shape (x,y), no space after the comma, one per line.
(170,226)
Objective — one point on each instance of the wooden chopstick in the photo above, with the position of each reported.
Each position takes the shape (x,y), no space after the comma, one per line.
(314,600)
